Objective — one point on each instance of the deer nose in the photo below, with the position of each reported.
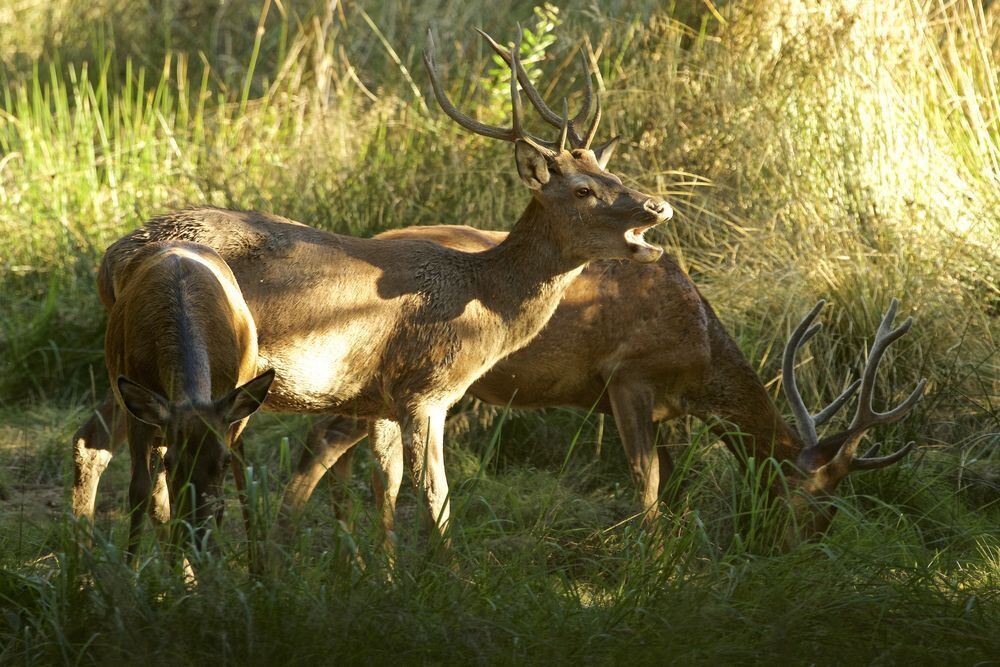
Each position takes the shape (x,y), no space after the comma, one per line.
(659,208)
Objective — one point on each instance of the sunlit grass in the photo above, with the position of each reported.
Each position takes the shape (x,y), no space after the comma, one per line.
(839,150)
(545,565)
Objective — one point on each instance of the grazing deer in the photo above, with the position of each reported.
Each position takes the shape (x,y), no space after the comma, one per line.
(658,353)
(395,330)
(181,353)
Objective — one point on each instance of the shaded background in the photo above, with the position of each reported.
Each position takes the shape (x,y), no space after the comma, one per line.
(843,150)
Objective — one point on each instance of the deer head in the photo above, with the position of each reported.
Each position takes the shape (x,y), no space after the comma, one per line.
(197,451)
(595,216)
(823,463)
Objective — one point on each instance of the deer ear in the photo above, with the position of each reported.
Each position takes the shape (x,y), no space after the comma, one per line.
(243,401)
(532,166)
(143,404)
(604,152)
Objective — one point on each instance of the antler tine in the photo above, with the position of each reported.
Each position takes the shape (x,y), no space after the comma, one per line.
(518,71)
(878,347)
(867,462)
(823,415)
(565,126)
(469,123)
(803,332)
(592,130)
(866,415)
(588,92)
(513,133)
(547,114)
(517,109)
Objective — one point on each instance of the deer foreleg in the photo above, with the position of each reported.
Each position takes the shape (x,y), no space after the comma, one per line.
(423,444)
(93,446)
(141,439)
(387,449)
(238,464)
(159,509)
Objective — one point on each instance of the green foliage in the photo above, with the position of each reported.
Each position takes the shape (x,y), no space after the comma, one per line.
(840,150)
(536,39)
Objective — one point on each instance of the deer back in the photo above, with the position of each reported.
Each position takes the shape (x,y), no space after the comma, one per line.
(179,323)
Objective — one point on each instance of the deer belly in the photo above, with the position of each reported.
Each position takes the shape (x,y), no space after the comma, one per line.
(312,374)
(536,386)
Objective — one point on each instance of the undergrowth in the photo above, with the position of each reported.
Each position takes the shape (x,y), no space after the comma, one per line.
(847,151)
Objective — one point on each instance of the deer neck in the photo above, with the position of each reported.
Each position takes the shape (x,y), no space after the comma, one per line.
(750,422)
(523,279)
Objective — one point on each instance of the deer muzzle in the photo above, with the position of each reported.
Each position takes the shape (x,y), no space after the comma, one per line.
(657,211)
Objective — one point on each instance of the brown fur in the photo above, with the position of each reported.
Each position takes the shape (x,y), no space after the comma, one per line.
(180,340)
(641,343)
(397,329)
(634,340)
(164,293)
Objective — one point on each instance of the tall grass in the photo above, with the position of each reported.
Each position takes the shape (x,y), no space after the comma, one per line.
(841,153)
(546,566)
(838,150)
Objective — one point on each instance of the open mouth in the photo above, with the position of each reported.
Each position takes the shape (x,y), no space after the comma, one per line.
(639,245)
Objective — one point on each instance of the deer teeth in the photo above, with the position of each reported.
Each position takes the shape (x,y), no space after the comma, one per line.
(635,235)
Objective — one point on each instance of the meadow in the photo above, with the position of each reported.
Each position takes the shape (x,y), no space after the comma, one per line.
(840,150)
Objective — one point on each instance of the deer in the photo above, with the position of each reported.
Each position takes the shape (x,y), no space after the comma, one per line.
(395,330)
(660,354)
(181,355)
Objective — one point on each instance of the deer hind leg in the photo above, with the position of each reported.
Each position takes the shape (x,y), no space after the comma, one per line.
(94,444)
(633,411)
(329,442)
(423,444)
(387,449)
(343,504)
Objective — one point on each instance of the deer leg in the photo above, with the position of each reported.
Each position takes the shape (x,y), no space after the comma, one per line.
(633,410)
(666,471)
(237,463)
(387,449)
(328,441)
(141,439)
(159,508)
(342,503)
(423,444)
(93,446)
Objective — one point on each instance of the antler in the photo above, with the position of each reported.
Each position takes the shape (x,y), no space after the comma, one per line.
(547,114)
(516,131)
(866,417)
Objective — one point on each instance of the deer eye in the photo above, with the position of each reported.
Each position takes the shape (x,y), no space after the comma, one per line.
(584,192)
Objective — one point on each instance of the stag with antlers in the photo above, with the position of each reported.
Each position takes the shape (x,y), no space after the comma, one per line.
(658,354)
(396,330)
(820,465)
